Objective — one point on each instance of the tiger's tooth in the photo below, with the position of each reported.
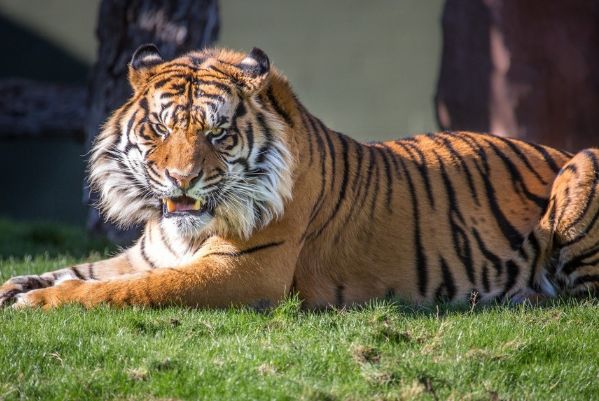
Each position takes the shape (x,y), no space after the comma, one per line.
(197,205)
(170,206)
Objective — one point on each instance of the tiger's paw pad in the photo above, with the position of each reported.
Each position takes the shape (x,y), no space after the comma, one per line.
(31,299)
(8,296)
(50,297)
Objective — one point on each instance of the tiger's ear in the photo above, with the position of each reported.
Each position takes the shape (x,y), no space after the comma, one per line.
(255,68)
(141,66)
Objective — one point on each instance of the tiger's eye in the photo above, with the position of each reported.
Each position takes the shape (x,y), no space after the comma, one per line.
(160,130)
(216,134)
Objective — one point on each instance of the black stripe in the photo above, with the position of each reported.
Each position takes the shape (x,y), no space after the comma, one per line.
(216,84)
(130,123)
(167,95)
(464,166)
(393,157)
(358,172)
(309,136)
(213,96)
(389,182)
(522,253)
(213,105)
(565,207)
(148,174)
(510,143)
(249,136)
(34,282)
(10,294)
(189,246)
(516,177)
(490,256)
(327,137)
(166,241)
(585,278)
(179,89)
(447,287)
(339,295)
(234,141)
(512,274)
(571,168)
(460,239)
(536,249)
(343,188)
(143,253)
(546,156)
(240,111)
(265,148)
(591,197)
(320,197)
(77,273)
(583,233)
(197,246)
(485,278)
(421,264)
(355,189)
(365,188)
(196,60)
(578,261)
(246,251)
(143,103)
(277,107)
(243,161)
(161,82)
(513,236)
(421,165)
(218,70)
(90,271)
(375,194)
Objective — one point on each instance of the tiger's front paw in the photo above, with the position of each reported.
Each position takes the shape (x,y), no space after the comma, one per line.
(51,297)
(19,285)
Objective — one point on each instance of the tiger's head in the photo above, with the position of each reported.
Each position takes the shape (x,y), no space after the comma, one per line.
(196,146)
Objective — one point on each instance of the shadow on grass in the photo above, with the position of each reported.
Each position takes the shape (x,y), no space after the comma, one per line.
(293,306)
(33,238)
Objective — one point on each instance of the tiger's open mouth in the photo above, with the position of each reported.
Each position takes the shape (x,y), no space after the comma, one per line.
(183,205)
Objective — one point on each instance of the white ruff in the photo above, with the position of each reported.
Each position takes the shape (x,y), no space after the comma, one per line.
(252,203)
(120,179)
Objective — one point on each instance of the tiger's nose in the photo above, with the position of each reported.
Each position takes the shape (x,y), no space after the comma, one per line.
(183,181)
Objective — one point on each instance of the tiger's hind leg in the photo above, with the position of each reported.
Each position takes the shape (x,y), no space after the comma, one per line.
(573,230)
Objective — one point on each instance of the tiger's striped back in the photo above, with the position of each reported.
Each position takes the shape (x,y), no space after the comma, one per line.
(437,216)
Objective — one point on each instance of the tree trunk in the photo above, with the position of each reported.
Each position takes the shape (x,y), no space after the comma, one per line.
(527,69)
(123,25)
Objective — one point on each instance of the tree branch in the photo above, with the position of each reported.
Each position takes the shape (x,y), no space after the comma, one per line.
(30,109)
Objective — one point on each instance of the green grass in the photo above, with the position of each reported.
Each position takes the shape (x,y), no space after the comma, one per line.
(384,351)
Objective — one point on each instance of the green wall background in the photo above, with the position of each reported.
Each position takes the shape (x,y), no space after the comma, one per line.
(368,69)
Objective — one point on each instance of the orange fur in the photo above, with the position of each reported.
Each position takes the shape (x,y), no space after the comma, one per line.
(434,217)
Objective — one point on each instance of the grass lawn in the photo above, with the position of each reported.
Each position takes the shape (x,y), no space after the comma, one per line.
(384,351)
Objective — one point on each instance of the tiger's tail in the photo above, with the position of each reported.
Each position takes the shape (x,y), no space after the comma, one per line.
(567,236)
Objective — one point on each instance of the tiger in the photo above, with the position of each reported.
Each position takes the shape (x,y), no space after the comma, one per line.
(245,197)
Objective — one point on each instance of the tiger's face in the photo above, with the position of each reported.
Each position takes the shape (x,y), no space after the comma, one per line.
(195,146)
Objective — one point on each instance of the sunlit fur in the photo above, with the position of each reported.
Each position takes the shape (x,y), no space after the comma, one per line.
(295,207)
(252,189)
